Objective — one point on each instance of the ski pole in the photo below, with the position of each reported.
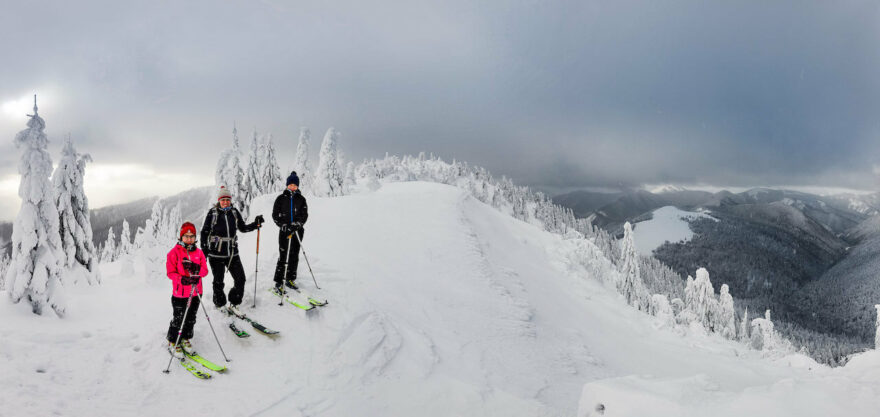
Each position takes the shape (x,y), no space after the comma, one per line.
(284,277)
(256,268)
(212,328)
(307,260)
(180,329)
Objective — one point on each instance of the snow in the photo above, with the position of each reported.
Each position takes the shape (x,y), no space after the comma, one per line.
(439,306)
(664,188)
(668,224)
(853,390)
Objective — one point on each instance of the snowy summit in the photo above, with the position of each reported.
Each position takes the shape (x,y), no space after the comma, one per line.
(440,305)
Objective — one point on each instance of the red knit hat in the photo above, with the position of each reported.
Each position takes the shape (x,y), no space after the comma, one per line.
(187,227)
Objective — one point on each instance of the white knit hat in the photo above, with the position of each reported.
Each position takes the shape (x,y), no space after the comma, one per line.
(223,193)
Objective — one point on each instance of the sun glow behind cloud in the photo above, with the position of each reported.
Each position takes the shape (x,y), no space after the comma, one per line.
(17,108)
(107,184)
(119,183)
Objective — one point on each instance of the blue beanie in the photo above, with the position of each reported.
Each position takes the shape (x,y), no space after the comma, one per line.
(293,179)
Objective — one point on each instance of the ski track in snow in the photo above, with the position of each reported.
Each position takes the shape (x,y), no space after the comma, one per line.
(439,306)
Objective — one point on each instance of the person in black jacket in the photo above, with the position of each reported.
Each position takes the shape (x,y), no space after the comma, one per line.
(290,213)
(219,242)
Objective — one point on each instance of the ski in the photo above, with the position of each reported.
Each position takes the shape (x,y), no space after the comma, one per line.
(312,300)
(204,362)
(298,304)
(238,332)
(193,370)
(317,303)
(262,329)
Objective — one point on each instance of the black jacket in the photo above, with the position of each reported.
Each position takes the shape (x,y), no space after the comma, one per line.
(290,207)
(218,233)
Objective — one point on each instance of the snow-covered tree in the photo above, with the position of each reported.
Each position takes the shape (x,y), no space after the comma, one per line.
(371,175)
(124,247)
(631,285)
(150,243)
(686,313)
(172,228)
(73,209)
(149,251)
(253,169)
(744,327)
(270,174)
(328,177)
(37,258)
(766,338)
(301,162)
(4,265)
(704,304)
(762,332)
(231,175)
(661,309)
(725,319)
(877,328)
(350,179)
(155,223)
(140,238)
(109,252)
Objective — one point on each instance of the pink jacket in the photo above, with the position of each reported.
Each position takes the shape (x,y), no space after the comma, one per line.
(174,267)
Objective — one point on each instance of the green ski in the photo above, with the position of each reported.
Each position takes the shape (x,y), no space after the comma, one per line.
(312,300)
(204,362)
(193,370)
(297,304)
(238,332)
(262,329)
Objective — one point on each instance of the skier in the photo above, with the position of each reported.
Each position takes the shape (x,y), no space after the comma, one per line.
(185,266)
(220,243)
(290,213)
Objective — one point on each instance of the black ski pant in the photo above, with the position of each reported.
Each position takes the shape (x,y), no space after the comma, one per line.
(292,261)
(218,269)
(179,306)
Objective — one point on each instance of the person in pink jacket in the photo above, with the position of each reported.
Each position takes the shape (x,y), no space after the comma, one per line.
(186,266)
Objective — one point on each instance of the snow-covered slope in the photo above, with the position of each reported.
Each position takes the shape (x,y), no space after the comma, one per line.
(439,306)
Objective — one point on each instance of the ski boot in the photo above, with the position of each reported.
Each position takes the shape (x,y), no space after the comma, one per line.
(176,351)
(187,347)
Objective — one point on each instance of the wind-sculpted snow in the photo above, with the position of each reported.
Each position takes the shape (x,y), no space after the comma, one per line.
(366,347)
(439,305)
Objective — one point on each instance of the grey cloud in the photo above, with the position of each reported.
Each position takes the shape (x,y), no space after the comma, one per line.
(560,94)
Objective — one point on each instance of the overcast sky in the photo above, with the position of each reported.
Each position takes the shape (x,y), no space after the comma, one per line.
(555,94)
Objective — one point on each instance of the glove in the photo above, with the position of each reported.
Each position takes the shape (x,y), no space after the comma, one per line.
(191,267)
(296,226)
(190,280)
(259,220)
